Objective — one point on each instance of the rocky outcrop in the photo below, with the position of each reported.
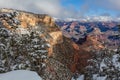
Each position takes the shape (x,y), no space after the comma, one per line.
(31,42)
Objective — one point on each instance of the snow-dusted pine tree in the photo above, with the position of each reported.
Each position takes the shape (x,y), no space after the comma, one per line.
(23,51)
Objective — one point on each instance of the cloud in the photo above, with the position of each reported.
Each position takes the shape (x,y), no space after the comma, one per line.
(56,9)
(51,7)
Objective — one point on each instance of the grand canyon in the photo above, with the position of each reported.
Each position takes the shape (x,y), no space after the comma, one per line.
(58,49)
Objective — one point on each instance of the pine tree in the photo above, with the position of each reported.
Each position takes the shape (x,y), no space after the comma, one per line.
(23,51)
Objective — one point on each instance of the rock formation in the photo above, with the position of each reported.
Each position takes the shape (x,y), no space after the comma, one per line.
(30,40)
(34,42)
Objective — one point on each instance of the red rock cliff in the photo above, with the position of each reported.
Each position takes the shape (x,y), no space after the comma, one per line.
(64,56)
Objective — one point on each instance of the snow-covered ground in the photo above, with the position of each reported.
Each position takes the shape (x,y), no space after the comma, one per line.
(20,75)
(81,77)
(114,61)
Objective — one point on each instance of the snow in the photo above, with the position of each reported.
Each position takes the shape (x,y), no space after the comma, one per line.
(96,77)
(20,75)
(8,15)
(22,31)
(43,56)
(102,64)
(101,78)
(16,21)
(115,60)
(35,40)
(42,51)
(48,45)
(81,77)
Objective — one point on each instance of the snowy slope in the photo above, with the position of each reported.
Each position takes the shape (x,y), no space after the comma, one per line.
(20,75)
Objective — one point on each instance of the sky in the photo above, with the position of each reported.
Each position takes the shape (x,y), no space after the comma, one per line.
(66,8)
